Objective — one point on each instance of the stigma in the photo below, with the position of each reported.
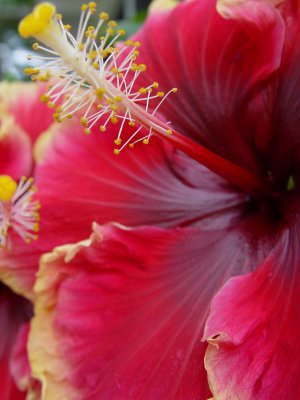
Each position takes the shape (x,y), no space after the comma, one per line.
(18,209)
(91,76)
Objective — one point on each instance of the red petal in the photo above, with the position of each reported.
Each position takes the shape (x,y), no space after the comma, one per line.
(215,63)
(253,330)
(152,184)
(81,181)
(19,364)
(14,312)
(123,314)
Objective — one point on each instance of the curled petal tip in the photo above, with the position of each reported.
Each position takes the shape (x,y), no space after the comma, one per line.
(225,7)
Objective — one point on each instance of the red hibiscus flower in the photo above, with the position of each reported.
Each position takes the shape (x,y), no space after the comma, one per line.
(213,247)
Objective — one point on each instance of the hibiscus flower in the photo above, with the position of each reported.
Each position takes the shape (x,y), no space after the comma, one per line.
(18,219)
(208,248)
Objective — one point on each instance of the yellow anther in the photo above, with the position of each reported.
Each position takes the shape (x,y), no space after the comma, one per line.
(104,16)
(121,32)
(103,53)
(135,53)
(112,24)
(92,6)
(142,90)
(114,120)
(69,116)
(116,151)
(45,98)
(129,43)
(56,116)
(96,65)
(59,16)
(28,71)
(68,27)
(155,85)
(110,31)
(169,131)
(131,145)
(84,7)
(134,67)
(35,46)
(100,92)
(142,67)
(131,123)
(90,32)
(102,128)
(174,90)
(92,54)
(31,71)
(50,104)
(8,188)
(37,21)
(118,141)
(113,107)
(43,76)
(80,46)
(36,215)
(87,131)
(114,70)
(36,227)
(83,121)
(111,100)
(118,98)
(160,94)
(136,44)
(146,141)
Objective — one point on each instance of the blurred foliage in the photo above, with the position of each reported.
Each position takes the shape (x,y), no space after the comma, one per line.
(10,13)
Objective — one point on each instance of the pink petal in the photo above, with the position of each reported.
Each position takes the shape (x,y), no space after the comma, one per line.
(245,9)
(23,102)
(253,330)
(15,150)
(215,63)
(123,313)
